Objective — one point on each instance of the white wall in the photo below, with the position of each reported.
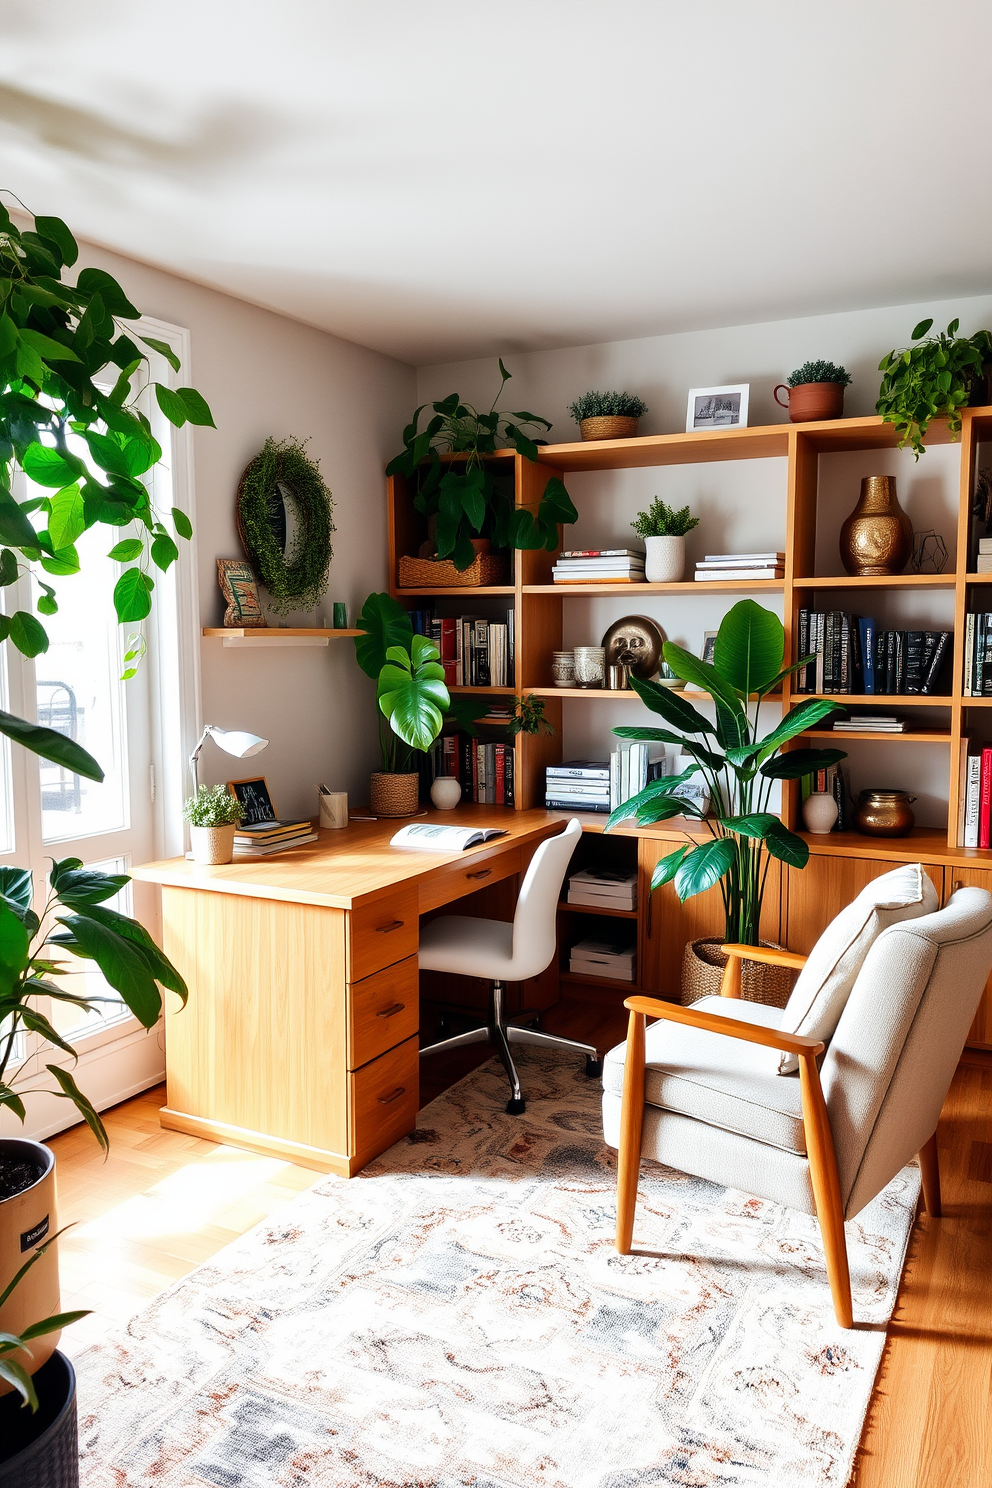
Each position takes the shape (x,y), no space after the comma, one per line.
(264,374)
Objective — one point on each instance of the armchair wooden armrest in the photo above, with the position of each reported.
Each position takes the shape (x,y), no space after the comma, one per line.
(730,986)
(816,1123)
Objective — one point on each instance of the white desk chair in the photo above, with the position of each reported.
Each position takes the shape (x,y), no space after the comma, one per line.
(503,952)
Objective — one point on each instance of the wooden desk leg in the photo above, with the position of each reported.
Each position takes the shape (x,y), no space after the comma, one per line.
(930,1172)
(631,1125)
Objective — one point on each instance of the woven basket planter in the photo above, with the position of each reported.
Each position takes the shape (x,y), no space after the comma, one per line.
(394,795)
(608,426)
(703,962)
(441,573)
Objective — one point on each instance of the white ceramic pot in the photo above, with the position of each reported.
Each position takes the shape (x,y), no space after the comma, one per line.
(664,559)
(446,792)
(820,812)
(212,844)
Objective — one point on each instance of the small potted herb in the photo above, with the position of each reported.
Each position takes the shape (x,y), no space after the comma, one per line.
(607,415)
(814,392)
(934,378)
(213,815)
(663,531)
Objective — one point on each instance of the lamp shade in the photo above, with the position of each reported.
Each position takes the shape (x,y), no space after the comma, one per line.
(236,741)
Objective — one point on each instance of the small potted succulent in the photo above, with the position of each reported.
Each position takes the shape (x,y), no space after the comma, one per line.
(663,531)
(814,392)
(213,815)
(607,415)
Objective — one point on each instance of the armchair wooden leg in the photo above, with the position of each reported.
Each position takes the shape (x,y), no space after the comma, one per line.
(826,1189)
(930,1172)
(631,1124)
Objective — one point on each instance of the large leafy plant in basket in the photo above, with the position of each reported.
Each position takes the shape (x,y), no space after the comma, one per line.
(740,770)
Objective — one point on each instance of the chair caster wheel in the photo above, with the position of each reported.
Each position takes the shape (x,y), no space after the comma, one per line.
(515,1107)
(535,1023)
(594,1067)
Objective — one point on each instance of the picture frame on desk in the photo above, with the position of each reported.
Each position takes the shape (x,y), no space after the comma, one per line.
(717,407)
(254,797)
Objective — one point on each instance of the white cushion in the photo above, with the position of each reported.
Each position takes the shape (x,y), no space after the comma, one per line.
(824,984)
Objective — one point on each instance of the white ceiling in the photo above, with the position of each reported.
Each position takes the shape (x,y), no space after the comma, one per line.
(442,179)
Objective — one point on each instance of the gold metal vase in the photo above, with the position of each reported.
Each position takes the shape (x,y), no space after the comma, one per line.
(877,537)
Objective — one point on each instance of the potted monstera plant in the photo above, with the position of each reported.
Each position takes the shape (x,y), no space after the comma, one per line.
(738,770)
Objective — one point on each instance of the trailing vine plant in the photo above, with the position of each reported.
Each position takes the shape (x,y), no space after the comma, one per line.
(463,497)
(295,578)
(931,379)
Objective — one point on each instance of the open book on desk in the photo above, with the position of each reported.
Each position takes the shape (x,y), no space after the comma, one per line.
(436,837)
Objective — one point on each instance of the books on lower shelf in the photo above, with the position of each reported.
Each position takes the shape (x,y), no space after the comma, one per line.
(475,652)
(578,785)
(978,655)
(598,888)
(484,768)
(975,817)
(756,566)
(869,723)
(850,654)
(631,767)
(599,565)
(603,958)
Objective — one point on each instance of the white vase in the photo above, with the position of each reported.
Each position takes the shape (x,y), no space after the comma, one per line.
(212,844)
(664,559)
(820,812)
(446,792)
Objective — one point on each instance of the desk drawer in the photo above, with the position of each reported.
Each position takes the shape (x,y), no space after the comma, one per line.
(476,872)
(382,1011)
(382,933)
(384,1099)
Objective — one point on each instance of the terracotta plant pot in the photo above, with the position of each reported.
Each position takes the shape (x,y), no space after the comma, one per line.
(41,1450)
(812,402)
(212,844)
(608,426)
(27,1220)
(877,537)
(394,795)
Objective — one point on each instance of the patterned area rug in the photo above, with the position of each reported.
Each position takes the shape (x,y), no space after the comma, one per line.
(457,1315)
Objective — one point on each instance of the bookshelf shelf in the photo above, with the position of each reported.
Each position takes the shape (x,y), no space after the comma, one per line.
(633,591)
(576,979)
(879,581)
(978,578)
(879,699)
(457,591)
(920,736)
(484,691)
(613,914)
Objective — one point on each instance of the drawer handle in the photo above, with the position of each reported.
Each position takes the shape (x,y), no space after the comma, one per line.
(397,1007)
(386,1100)
(385,929)
(480,873)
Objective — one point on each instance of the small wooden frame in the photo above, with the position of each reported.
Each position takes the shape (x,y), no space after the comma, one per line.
(253,794)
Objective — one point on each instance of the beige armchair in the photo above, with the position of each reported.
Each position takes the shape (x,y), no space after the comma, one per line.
(699,1090)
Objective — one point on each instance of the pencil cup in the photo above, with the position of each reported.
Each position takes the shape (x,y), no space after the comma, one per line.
(333,808)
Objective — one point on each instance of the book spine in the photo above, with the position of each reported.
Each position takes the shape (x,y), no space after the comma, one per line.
(828,652)
(510,759)
(978,656)
(890,661)
(866,626)
(930,639)
(986,675)
(914,660)
(844,659)
(969,653)
(973,803)
(818,648)
(942,645)
(614,779)
(838,621)
(857,658)
(803,672)
(511,652)
(499,792)
(448,640)
(985,803)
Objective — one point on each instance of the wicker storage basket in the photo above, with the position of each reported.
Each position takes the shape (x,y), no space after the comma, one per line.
(441,573)
(608,426)
(394,795)
(702,971)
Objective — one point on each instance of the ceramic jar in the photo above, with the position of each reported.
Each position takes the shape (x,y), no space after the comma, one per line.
(664,559)
(884,813)
(812,402)
(563,668)
(820,812)
(446,792)
(212,845)
(877,537)
(590,666)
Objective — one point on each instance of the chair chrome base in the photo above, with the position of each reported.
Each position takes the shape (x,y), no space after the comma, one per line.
(502,1034)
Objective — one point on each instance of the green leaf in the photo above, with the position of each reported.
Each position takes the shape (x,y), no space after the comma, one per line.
(17,888)
(67,521)
(792,724)
(50,745)
(164,349)
(8,568)
(666,868)
(55,230)
(77,886)
(53,1324)
(694,669)
(96,281)
(184,526)
(704,867)
(920,330)
(758,824)
(556,504)
(14,942)
(171,405)
(71,1091)
(386,623)
(28,634)
(128,455)
(65,561)
(411,693)
(15,1374)
(131,930)
(787,847)
(37,1023)
(123,966)
(124,552)
(164,551)
(47,346)
(132,596)
(195,407)
(672,707)
(749,647)
(48,467)
(799,762)
(15,529)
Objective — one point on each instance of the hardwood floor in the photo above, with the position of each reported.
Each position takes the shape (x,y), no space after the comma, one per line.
(164,1203)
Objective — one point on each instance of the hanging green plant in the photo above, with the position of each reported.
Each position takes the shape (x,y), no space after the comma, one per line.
(295,575)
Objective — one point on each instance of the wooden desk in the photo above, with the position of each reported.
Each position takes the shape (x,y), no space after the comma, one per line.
(300,1038)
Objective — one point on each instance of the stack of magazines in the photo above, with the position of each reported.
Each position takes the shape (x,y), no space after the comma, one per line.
(603,958)
(599,566)
(578,785)
(741,566)
(869,723)
(601,888)
(271,837)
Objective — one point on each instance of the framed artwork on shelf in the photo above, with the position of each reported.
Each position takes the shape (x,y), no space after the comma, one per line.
(709,646)
(717,408)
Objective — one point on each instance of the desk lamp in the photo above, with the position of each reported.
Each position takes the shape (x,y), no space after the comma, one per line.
(232,741)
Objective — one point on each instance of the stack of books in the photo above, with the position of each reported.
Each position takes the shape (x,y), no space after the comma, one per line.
(599,566)
(578,785)
(870,723)
(741,566)
(975,822)
(475,652)
(272,837)
(484,769)
(631,767)
(983,563)
(603,958)
(598,888)
(978,656)
(851,655)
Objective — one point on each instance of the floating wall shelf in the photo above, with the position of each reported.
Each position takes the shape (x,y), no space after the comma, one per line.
(274,635)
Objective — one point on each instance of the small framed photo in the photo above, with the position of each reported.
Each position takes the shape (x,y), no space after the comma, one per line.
(717,408)
(255,800)
(709,646)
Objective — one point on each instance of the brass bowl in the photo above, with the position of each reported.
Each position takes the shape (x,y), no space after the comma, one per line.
(884,813)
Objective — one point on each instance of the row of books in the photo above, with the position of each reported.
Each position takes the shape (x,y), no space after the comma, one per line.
(978,656)
(851,655)
(485,770)
(599,888)
(603,958)
(741,566)
(869,723)
(599,566)
(975,819)
(475,652)
(578,785)
(263,838)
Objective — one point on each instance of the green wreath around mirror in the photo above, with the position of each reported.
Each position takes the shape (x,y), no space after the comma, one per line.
(293,572)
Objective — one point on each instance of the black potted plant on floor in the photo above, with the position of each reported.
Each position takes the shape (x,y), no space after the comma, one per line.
(88,448)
